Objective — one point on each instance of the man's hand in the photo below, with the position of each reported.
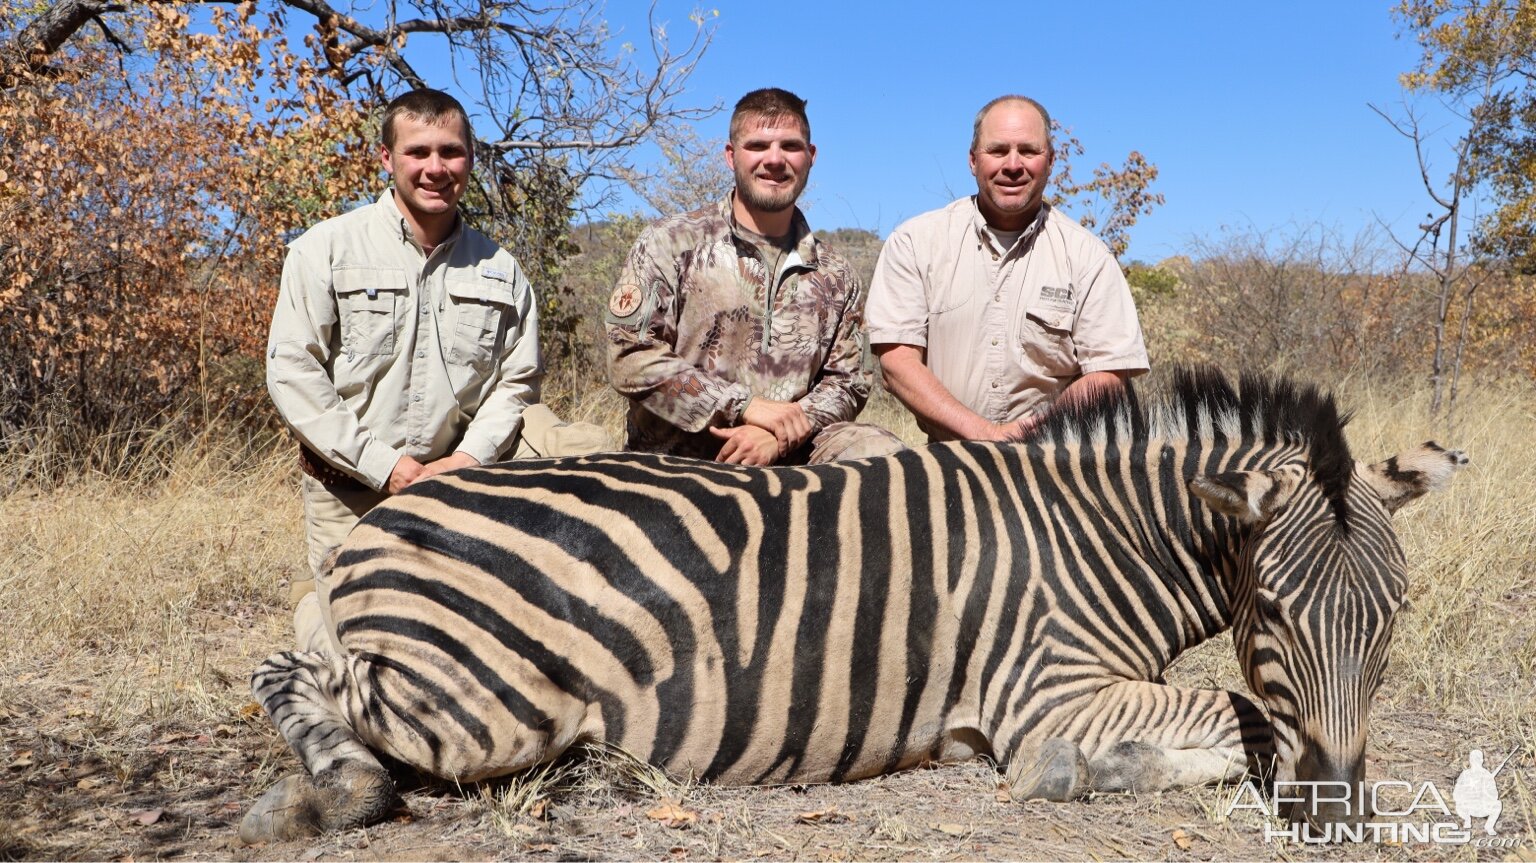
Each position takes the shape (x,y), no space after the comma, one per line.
(748,444)
(786,420)
(452,461)
(406,471)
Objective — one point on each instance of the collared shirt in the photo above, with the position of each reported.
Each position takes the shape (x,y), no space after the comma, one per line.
(1005,330)
(378,350)
(697,327)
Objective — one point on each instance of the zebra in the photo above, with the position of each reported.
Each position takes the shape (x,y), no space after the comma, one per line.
(822,624)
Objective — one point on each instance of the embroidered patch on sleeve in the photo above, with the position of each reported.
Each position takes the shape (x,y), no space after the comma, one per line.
(628,305)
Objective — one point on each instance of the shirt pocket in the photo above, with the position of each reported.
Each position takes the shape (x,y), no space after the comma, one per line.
(369,302)
(483,311)
(1045,339)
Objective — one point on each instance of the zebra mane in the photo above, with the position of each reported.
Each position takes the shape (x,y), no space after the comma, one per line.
(1200,404)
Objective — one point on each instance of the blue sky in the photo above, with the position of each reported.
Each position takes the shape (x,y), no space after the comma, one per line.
(1256,114)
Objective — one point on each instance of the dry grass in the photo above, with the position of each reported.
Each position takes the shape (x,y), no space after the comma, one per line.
(135,609)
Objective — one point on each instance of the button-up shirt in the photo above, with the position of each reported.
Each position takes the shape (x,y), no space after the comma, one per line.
(1005,330)
(380,350)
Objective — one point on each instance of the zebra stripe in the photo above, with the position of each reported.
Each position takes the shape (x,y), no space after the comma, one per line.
(833,622)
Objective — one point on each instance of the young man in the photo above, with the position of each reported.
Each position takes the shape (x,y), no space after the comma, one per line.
(734,333)
(989,310)
(404,344)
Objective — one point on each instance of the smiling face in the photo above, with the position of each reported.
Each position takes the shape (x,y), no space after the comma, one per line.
(1011,162)
(430,163)
(772,160)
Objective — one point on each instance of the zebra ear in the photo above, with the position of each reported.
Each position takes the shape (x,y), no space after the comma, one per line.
(1409,475)
(1249,495)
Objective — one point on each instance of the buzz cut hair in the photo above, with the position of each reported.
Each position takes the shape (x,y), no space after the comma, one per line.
(424,105)
(769,104)
(1011,97)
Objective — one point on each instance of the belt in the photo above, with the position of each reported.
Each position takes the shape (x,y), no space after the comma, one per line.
(330,476)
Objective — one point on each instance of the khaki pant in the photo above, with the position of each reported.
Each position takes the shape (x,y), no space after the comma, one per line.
(331,513)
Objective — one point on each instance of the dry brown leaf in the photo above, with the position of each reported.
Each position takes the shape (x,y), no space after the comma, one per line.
(540,809)
(22,759)
(829,815)
(672,814)
(952,829)
(88,784)
(250,710)
(1182,839)
(148,816)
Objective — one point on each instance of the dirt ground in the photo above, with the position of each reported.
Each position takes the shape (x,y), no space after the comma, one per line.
(78,783)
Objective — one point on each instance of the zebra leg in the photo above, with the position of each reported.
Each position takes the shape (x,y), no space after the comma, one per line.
(346,786)
(1055,771)
(1149,737)
(1138,736)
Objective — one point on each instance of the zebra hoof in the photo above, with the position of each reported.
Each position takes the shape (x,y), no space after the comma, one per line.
(341,798)
(291,809)
(1059,773)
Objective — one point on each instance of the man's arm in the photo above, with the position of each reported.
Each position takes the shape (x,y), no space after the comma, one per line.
(1084,390)
(840,387)
(908,377)
(298,349)
(643,363)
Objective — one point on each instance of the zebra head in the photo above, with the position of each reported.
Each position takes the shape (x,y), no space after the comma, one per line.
(1320,578)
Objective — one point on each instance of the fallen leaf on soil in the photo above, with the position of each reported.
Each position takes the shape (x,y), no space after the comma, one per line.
(672,815)
(23,759)
(952,829)
(829,815)
(540,809)
(250,710)
(88,784)
(541,848)
(147,817)
(223,731)
(678,851)
(1181,839)
(1003,795)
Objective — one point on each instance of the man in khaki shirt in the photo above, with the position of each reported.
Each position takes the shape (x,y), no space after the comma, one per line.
(985,312)
(404,344)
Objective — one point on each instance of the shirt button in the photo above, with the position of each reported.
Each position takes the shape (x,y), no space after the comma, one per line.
(417,397)
(994,342)
(994,256)
(994,385)
(421,355)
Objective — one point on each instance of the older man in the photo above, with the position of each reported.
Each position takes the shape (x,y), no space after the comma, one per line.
(735,334)
(404,344)
(987,311)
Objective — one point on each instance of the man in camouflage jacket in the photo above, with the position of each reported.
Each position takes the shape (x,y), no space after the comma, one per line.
(734,333)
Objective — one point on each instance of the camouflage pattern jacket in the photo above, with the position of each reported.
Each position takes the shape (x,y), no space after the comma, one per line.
(696,328)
